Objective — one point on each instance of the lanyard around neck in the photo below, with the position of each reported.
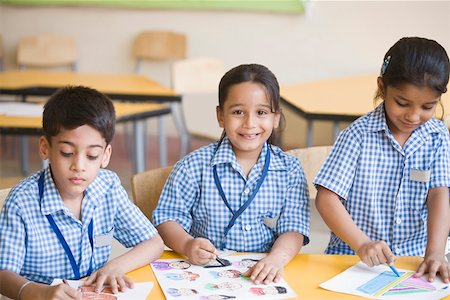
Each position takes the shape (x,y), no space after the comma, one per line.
(62,240)
(249,200)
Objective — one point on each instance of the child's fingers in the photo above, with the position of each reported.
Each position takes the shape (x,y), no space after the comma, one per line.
(113,285)
(122,284)
(389,256)
(421,270)
(129,282)
(71,293)
(445,273)
(432,270)
(270,276)
(278,276)
(91,279)
(99,283)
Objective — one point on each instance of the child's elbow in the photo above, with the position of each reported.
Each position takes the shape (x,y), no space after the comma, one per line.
(158,245)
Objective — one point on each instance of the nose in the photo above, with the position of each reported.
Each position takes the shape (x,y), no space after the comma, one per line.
(413,115)
(250,120)
(77,163)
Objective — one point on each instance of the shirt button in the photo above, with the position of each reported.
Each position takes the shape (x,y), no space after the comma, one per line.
(398,221)
(397,251)
(246,191)
(247,227)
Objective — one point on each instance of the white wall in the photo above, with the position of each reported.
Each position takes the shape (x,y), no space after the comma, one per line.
(333,38)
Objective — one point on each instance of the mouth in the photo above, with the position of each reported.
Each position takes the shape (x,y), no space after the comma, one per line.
(410,125)
(76,180)
(249,136)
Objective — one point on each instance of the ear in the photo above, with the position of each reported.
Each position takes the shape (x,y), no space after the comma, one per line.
(276,121)
(220,117)
(44,148)
(381,87)
(106,156)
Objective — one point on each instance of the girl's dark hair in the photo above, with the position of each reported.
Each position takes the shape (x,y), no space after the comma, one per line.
(72,107)
(417,61)
(257,74)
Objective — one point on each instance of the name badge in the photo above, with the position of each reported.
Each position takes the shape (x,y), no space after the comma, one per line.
(271,222)
(102,240)
(420,175)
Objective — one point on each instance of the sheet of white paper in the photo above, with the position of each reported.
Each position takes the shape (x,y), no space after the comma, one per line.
(21,109)
(141,290)
(381,283)
(181,280)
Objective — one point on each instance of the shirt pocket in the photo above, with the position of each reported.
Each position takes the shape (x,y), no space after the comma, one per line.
(102,246)
(418,185)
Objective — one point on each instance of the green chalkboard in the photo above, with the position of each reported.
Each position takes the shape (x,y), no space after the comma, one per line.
(279,6)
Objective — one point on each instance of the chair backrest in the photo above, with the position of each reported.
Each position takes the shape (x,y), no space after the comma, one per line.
(312,159)
(159,46)
(3,194)
(197,79)
(146,188)
(47,51)
(2,54)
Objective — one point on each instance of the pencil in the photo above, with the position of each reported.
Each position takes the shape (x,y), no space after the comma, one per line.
(394,270)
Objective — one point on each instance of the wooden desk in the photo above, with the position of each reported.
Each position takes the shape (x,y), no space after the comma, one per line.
(336,100)
(130,87)
(304,274)
(125,112)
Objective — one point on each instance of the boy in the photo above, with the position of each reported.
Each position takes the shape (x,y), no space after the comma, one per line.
(59,222)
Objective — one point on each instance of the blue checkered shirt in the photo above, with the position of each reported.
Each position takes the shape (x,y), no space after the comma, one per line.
(191,198)
(30,247)
(371,173)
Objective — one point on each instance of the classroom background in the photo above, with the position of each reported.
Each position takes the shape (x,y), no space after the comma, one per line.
(329,39)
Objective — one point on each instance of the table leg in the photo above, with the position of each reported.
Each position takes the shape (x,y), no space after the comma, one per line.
(178,117)
(139,140)
(162,142)
(336,130)
(24,155)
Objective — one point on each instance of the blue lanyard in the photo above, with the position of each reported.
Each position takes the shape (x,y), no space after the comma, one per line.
(249,200)
(62,240)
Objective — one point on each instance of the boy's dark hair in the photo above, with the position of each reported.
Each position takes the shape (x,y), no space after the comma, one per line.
(257,74)
(418,61)
(74,106)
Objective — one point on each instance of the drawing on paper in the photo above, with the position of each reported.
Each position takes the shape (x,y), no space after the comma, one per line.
(181,280)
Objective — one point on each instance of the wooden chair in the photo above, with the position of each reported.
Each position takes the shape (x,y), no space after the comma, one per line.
(2,54)
(3,194)
(146,187)
(47,51)
(159,46)
(312,159)
(197,79)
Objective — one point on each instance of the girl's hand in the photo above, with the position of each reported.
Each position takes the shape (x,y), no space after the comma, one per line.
(200,251)
(374,253)
(433,264)
(40,291)
(112,276)
(267,270)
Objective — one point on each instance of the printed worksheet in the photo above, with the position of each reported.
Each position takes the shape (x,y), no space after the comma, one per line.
(222,279)
(141,290)
(381,283)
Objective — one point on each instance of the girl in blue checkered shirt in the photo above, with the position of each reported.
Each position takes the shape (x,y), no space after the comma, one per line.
(383,190)
(240,193)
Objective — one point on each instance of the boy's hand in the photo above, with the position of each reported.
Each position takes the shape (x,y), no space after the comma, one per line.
(374,253)
(39,291)
(433,264)
(267,270)
(200,251)
(112,276)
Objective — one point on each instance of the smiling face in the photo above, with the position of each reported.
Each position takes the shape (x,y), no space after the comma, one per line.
(75,157)
(408,107)
(247,118)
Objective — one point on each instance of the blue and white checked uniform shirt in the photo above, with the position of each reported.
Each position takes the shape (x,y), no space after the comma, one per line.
(191,198)
(30,247)
(371,174)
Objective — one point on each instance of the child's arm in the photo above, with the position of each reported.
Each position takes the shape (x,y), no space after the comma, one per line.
(438,216)
(199,250)
(337,218)
(270,268)
(113,273)
(12,284)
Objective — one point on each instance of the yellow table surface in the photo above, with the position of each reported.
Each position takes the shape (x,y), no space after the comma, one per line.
(125,84)
(346,96)
(304,274)
(123,109)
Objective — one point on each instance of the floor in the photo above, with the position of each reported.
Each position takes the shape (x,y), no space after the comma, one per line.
(121,163)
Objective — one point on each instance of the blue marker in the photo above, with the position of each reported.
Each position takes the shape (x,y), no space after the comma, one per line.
(394,270)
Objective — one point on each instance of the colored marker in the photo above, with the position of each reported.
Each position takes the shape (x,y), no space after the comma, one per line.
(394,270)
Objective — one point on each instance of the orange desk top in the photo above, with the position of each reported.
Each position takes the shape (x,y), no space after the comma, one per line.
(110,84)
(347,96)
(304,274)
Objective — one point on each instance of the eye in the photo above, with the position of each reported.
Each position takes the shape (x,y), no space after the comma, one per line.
(66,154)
(238,112)
(429,107)
(401,104)
(262,112)
(92,157)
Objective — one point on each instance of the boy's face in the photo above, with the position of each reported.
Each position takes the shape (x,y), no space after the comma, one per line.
(75,156)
